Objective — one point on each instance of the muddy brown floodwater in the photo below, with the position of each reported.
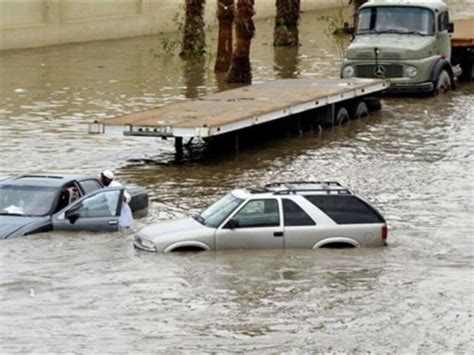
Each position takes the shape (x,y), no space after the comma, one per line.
(83,292)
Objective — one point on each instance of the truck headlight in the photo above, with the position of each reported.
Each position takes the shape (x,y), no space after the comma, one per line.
(411,72)
(348,72)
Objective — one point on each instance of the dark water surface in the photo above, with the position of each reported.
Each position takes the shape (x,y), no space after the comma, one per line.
(94,292)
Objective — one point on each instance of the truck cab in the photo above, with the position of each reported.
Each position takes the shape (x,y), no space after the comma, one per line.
(404,41)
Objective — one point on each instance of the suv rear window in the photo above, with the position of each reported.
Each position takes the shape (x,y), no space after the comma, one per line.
(346,209)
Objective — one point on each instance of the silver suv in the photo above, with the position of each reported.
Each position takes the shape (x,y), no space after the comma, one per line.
(306,215)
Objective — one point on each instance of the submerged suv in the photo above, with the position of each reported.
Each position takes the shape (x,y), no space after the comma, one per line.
(406,42)
(282,215)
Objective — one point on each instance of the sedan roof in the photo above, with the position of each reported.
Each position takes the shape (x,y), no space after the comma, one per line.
(50,180)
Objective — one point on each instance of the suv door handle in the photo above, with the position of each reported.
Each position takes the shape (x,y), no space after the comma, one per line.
(113,223)
(278,234)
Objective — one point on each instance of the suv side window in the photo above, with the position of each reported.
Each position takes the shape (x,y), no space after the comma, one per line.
(346,209)
(90,185)
(259,213)
(443,21)
(294,215)
(103,204)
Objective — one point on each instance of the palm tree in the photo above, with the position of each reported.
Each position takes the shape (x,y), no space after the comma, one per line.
(357,4)
(225,16)
(286,23)
(240,71)
(194,36)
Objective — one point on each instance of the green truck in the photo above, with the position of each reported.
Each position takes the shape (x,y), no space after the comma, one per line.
(404,41)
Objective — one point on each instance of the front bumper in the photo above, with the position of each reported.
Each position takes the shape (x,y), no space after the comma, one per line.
(410,88)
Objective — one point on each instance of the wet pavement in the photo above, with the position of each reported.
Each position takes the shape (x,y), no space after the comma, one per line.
(86,292)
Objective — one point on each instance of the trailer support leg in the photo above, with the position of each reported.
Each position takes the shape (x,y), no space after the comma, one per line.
(237,142)
(178,145)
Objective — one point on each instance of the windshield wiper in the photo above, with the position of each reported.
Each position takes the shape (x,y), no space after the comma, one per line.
(11,214)
(415,33)
(200,219)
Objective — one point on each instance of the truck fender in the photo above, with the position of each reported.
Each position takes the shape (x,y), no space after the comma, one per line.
(442,64)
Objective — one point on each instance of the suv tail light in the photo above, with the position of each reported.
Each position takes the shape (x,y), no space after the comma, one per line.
(384,232)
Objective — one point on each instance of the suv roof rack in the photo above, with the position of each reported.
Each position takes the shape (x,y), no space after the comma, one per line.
(293,187)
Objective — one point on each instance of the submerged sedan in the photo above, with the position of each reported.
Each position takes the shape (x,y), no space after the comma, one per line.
(40,203)
(282,215)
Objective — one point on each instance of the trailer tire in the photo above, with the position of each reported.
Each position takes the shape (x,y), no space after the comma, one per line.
(444,83)
(359,110)
(342,116)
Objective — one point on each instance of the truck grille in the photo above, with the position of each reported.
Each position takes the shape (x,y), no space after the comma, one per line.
(368,71)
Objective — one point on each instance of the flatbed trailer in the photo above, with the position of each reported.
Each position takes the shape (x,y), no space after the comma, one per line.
(238,109)
(462,44)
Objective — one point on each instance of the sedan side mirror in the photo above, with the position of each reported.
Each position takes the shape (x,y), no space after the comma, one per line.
(72,215)
(232,224)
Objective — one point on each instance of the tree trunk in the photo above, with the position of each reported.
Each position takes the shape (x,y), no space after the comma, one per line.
(194,37)
(356,4)
(286,23)
(240,71)
(225,16)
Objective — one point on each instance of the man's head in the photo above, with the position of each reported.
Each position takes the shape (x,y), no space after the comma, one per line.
(106,177)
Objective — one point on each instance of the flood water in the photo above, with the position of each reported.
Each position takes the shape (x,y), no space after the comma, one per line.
(81,292)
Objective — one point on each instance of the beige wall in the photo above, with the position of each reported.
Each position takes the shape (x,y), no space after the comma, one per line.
(33,23)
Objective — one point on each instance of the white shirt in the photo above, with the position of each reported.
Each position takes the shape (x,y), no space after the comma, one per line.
(125,193)
(126,217)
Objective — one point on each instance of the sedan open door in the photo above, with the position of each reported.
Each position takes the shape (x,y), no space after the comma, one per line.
(97,211)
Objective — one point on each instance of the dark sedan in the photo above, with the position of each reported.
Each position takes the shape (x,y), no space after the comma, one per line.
(39,203)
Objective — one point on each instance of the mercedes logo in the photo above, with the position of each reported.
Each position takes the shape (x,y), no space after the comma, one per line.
(379,71)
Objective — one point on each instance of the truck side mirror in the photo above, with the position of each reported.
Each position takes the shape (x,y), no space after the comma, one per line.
(450,27)
(348,30)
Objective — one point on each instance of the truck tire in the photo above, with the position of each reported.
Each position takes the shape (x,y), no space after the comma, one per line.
(444,83)
(342,116)
(359,110)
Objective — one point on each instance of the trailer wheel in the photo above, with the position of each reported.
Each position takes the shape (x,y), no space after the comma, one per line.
(359,110)
(444,83)
(342,116)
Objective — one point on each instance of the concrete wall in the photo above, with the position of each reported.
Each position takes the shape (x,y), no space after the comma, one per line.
(34,23)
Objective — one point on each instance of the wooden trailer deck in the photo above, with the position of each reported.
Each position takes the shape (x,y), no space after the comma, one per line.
(233,110)
(463,35)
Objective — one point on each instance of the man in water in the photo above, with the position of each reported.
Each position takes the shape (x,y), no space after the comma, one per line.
(126,217)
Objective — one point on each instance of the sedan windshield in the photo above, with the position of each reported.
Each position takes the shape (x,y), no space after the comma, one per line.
(215,215)
(26,200)
(392,19)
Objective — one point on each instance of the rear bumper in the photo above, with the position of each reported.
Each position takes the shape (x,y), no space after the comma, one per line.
(409,88)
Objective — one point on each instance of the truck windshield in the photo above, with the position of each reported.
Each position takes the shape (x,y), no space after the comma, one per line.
(392,19)
(26,200)
(215,215)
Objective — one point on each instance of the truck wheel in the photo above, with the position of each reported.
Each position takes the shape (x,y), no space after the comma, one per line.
(444,84)
(359,110)
(342,116)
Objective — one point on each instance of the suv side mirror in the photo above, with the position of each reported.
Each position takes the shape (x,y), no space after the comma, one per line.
(232,224)
(348,30)
(450,27)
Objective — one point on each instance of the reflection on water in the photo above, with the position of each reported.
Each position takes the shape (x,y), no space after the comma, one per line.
(93,292)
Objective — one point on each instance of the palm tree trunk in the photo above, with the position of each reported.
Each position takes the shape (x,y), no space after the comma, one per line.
(225,16)
(194,36)
(286,23)
(356,4)
(240,71)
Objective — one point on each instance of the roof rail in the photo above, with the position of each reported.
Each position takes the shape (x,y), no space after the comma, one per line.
(290,188)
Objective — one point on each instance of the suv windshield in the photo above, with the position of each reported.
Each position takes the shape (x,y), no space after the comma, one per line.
(392,19)
(215,215)
(26,200)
